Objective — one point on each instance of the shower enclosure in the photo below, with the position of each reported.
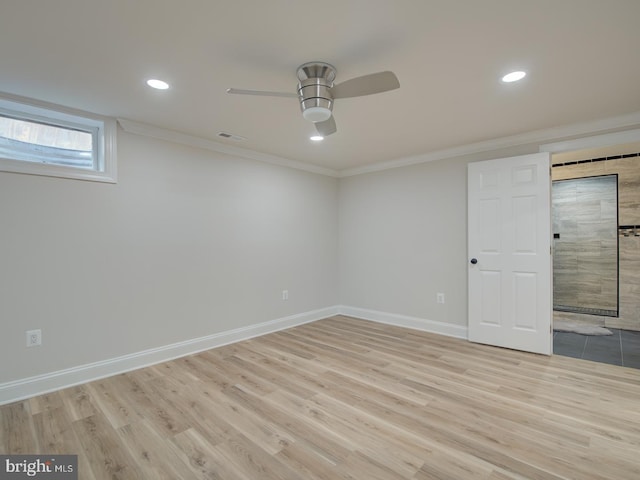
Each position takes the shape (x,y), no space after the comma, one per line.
(585,245)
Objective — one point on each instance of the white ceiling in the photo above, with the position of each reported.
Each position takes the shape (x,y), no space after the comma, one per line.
(581,57)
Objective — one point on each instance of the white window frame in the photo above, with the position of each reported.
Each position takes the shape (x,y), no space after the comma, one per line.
(104,143)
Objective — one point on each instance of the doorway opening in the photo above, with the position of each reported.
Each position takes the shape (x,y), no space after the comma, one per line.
(594,282)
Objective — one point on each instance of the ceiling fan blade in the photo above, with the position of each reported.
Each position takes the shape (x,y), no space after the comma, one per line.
(366,85)
(327,127)
(239,91)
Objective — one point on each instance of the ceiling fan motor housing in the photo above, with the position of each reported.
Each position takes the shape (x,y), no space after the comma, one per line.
(316,80)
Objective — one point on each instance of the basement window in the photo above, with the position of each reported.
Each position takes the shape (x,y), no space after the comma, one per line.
(52,141)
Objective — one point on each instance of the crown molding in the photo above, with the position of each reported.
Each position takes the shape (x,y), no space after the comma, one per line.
(537,136)
(190,140)
(595,141)
(544,137)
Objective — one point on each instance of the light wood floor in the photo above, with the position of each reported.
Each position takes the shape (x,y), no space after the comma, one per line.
(344,399)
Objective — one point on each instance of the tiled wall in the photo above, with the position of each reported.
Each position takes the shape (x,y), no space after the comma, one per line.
(627,168)
(585,245)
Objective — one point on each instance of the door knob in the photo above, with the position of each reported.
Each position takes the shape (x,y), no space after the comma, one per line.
(474,261)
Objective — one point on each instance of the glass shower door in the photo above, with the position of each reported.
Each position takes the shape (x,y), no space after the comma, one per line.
(585,253)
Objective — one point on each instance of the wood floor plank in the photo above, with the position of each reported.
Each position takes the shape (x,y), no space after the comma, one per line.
(252,461)
(201,457)
(45,402)
(18,432)
(264,432)
(307,463)
(344,398)
(77,401)
(283,408)
(54,428)
(103,450)
(151,452)
(110,402)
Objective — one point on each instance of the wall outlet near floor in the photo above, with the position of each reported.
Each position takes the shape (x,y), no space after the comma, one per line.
(34,338)
(440,297)
(285,294)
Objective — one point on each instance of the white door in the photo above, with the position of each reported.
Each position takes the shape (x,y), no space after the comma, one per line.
(510,269)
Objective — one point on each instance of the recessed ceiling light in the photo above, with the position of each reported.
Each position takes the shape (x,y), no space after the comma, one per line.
(157,84)
(316,138)
(514,76)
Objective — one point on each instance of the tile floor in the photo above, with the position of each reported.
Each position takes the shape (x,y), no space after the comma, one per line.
(622,348)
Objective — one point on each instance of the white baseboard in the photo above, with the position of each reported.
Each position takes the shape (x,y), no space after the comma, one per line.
(448,329)
(32,386)
(49,382)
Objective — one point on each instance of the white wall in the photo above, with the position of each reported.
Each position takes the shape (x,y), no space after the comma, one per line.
(188,243)
(403,239)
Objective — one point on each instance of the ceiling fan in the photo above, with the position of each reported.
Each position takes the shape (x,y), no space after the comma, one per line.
(316,92)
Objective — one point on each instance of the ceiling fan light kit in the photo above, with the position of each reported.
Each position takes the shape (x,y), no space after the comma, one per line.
(316,92)
(316,113)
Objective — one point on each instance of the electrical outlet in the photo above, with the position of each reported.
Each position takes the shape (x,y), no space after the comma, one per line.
(285,294)
(440,297)
(34,338)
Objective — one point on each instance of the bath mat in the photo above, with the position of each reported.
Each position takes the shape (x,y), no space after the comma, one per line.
(581,328)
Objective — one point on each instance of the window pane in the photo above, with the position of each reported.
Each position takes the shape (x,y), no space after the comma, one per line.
(31,141)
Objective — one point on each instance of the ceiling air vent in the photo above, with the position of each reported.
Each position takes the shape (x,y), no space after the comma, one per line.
(231,136)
